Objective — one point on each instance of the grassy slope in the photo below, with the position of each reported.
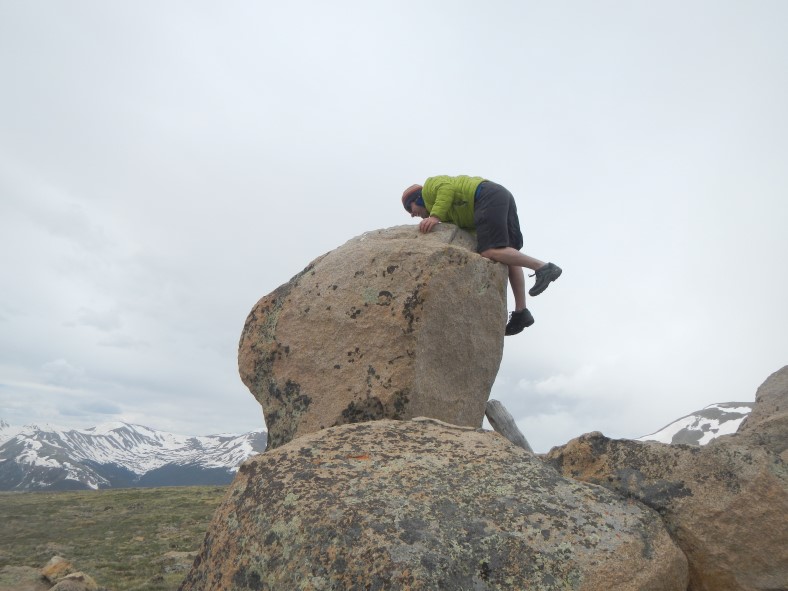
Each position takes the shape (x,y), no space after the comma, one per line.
(119,537)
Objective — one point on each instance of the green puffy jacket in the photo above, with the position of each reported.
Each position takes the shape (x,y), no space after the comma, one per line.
(450,198)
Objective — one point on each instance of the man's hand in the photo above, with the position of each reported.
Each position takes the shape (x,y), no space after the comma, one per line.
(427,224)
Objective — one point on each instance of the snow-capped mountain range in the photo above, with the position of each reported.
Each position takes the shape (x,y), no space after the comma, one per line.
(124,455)
(703,425)
(118,455)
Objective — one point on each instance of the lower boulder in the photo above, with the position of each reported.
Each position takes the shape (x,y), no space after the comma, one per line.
(425,505)
(725,504)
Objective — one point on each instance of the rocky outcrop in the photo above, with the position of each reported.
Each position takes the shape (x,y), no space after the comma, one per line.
(767,424)
(426,505)
(725,504)
(393,324)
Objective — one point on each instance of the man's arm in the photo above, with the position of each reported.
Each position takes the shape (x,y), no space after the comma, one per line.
(444,199)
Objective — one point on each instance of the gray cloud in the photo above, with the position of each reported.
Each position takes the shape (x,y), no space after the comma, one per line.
(60,372)
(91,409)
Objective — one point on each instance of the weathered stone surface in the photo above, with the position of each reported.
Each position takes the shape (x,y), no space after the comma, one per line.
(393,324)
(725,504)
(422,505)
(767,424)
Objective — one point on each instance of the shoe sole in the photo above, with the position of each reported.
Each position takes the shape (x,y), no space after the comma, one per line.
(556,274)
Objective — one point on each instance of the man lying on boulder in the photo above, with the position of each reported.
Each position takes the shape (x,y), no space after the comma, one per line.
(476,204)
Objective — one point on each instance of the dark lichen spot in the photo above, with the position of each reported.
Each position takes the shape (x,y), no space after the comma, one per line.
(400,403)
(354,354)
(291,405)
(657,494)
(244,579)
(411,305)
(548,580)
(412,529)
(385,298)
(485,571)
(369,409)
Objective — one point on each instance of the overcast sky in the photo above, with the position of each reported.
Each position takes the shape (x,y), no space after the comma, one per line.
(163,165)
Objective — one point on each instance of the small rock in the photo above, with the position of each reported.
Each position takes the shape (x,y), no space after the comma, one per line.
(76,582)
(57,568)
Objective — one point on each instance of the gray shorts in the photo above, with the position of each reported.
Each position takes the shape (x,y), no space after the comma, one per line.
(495,217)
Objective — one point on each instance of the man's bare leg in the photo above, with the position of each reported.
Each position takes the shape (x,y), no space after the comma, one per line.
(517,281)
(521,318)
(510,256)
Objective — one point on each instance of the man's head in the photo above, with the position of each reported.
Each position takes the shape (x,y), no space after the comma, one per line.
(413,203)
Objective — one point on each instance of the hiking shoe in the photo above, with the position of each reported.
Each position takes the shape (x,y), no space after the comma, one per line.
(544,275)
(518,321)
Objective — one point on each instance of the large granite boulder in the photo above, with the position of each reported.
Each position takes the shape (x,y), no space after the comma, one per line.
(725,504)
(393,324)
(424,505)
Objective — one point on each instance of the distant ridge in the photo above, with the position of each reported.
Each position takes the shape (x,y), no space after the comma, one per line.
(117,455)
(702,426)
(122,455)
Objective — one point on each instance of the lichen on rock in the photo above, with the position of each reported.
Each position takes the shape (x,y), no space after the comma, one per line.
(423,505)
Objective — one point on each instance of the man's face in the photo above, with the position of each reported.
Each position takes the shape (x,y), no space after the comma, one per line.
(418,211)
